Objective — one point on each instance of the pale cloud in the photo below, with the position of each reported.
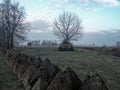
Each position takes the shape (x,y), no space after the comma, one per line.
(40,31)
(60,1)
(37,31)
(104,2)
(96,9)
(40,26)
(83,1)
(65,0)
(109,2)
(97,5)
(35,16)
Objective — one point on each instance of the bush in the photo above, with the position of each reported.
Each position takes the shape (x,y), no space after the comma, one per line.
(116,51)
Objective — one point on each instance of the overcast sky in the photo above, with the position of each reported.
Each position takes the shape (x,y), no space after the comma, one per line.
(96,15)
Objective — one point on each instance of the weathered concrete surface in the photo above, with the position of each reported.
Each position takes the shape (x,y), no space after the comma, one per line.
(31,71)
(94,82)
(45,74)
(66,80)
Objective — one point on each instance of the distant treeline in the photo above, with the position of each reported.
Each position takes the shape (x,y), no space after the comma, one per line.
(43,43)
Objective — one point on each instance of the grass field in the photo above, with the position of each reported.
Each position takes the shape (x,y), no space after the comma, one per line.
(83,62)
(8,81)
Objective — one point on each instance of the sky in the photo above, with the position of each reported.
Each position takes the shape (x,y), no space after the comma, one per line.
(96,15)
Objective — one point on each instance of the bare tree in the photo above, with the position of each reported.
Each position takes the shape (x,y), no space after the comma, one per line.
(13,28)
(67,27)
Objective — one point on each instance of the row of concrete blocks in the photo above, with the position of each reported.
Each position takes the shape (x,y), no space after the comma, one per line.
(37,74)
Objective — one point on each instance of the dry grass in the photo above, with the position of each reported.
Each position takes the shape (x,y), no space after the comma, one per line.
(8,81)
(83,62)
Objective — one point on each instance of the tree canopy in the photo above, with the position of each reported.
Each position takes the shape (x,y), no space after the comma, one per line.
(13,28)
(67,27)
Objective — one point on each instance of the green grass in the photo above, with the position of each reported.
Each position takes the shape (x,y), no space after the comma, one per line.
(83,62)
(8,81)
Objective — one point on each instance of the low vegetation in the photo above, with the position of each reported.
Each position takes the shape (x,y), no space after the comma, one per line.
(8,81)
(83,61)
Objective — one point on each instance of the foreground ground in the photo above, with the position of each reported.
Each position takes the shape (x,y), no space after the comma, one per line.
(83,62)
(8,81)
